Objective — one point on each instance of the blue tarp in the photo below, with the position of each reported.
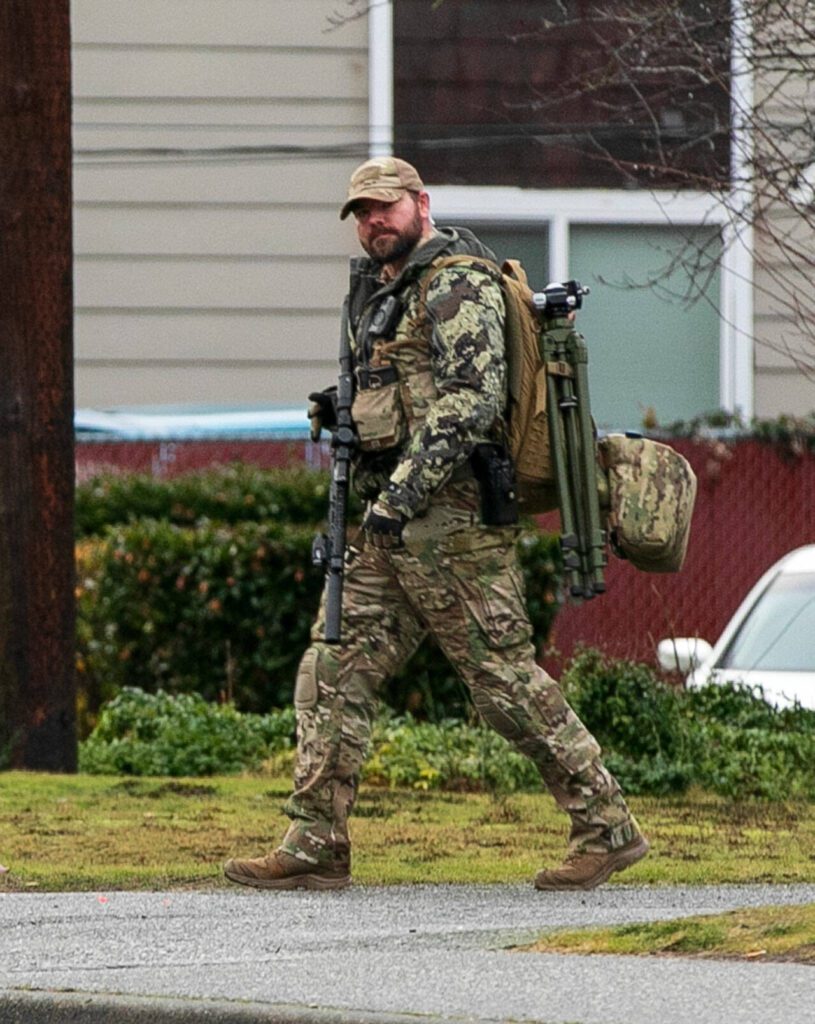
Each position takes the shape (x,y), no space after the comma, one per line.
(151,423)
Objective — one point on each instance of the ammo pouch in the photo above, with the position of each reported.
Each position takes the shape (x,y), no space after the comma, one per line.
(651,494)
(495,474)
(377,412)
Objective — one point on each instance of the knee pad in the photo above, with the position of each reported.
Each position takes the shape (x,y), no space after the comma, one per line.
(317,668)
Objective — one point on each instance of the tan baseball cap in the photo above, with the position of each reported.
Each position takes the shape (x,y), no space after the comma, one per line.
(385,178)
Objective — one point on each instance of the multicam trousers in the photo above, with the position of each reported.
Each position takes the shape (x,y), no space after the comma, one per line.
(461,582)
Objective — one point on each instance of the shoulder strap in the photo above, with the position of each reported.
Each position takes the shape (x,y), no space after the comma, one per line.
(514,269)
(462,259)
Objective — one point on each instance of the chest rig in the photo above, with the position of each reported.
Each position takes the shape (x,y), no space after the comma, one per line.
(394,379)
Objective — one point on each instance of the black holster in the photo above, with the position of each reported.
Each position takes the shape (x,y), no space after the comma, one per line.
(495,474)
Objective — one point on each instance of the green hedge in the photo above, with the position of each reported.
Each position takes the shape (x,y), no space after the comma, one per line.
(223,611)
(236,493)
(188,603)
(451,754)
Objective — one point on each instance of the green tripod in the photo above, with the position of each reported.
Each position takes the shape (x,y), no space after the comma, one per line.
(572,438)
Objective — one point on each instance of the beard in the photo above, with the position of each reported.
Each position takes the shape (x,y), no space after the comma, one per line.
(391,245)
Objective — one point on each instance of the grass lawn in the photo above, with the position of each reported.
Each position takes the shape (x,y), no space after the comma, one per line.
(95,832)
(762,933)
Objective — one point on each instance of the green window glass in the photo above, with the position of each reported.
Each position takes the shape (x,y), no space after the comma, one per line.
(649,347)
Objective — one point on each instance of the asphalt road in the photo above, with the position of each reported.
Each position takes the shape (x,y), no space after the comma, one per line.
(373,956)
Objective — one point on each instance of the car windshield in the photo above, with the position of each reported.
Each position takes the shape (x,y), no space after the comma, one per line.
(778,635)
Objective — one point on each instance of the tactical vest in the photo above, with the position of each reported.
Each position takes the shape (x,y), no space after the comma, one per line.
(395,385)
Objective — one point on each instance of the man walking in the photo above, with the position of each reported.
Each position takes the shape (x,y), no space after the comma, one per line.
(431,391)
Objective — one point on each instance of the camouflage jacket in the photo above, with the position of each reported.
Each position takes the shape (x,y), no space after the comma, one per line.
(447,354)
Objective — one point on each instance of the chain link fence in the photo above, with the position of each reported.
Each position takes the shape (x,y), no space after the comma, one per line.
(168,458)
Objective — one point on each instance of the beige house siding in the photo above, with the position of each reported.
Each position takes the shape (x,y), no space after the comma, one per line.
(207,271)
(785,350)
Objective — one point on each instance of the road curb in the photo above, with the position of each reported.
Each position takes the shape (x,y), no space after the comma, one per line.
(32,1007)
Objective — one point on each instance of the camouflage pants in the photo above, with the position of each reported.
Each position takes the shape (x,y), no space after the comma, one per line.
(461,582)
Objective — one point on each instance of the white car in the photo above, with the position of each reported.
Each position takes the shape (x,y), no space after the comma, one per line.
(769,641)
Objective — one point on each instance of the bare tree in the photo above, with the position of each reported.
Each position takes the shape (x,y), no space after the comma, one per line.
(670,70)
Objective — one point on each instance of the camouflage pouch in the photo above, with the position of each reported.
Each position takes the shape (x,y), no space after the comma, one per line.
(379,417)
(651,494)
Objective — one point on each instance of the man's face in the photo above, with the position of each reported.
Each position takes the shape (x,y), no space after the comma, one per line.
(389,231)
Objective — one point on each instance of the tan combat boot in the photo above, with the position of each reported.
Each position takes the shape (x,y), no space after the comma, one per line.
(583,869)
(281,870)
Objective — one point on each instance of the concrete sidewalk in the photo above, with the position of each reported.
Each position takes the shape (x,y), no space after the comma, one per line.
(375,956)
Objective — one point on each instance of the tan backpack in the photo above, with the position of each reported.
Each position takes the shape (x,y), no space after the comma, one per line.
(526,425)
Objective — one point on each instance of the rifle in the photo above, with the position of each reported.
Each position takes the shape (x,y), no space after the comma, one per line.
(328,550)
(572,435)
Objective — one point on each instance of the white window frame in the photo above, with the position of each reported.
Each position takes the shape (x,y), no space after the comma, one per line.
(562,208)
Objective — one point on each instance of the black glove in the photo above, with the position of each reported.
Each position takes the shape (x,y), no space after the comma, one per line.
(322,411)
(383,527)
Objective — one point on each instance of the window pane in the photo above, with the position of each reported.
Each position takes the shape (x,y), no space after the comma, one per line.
(648,348)
(517,92)
(779,633)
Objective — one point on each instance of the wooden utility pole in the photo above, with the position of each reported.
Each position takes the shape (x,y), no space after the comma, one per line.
(37,684)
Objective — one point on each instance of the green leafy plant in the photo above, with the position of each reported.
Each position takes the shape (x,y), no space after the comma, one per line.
(637,719)
(141,733)
(658,739)
(446,755)
(725,740)
(791,435)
